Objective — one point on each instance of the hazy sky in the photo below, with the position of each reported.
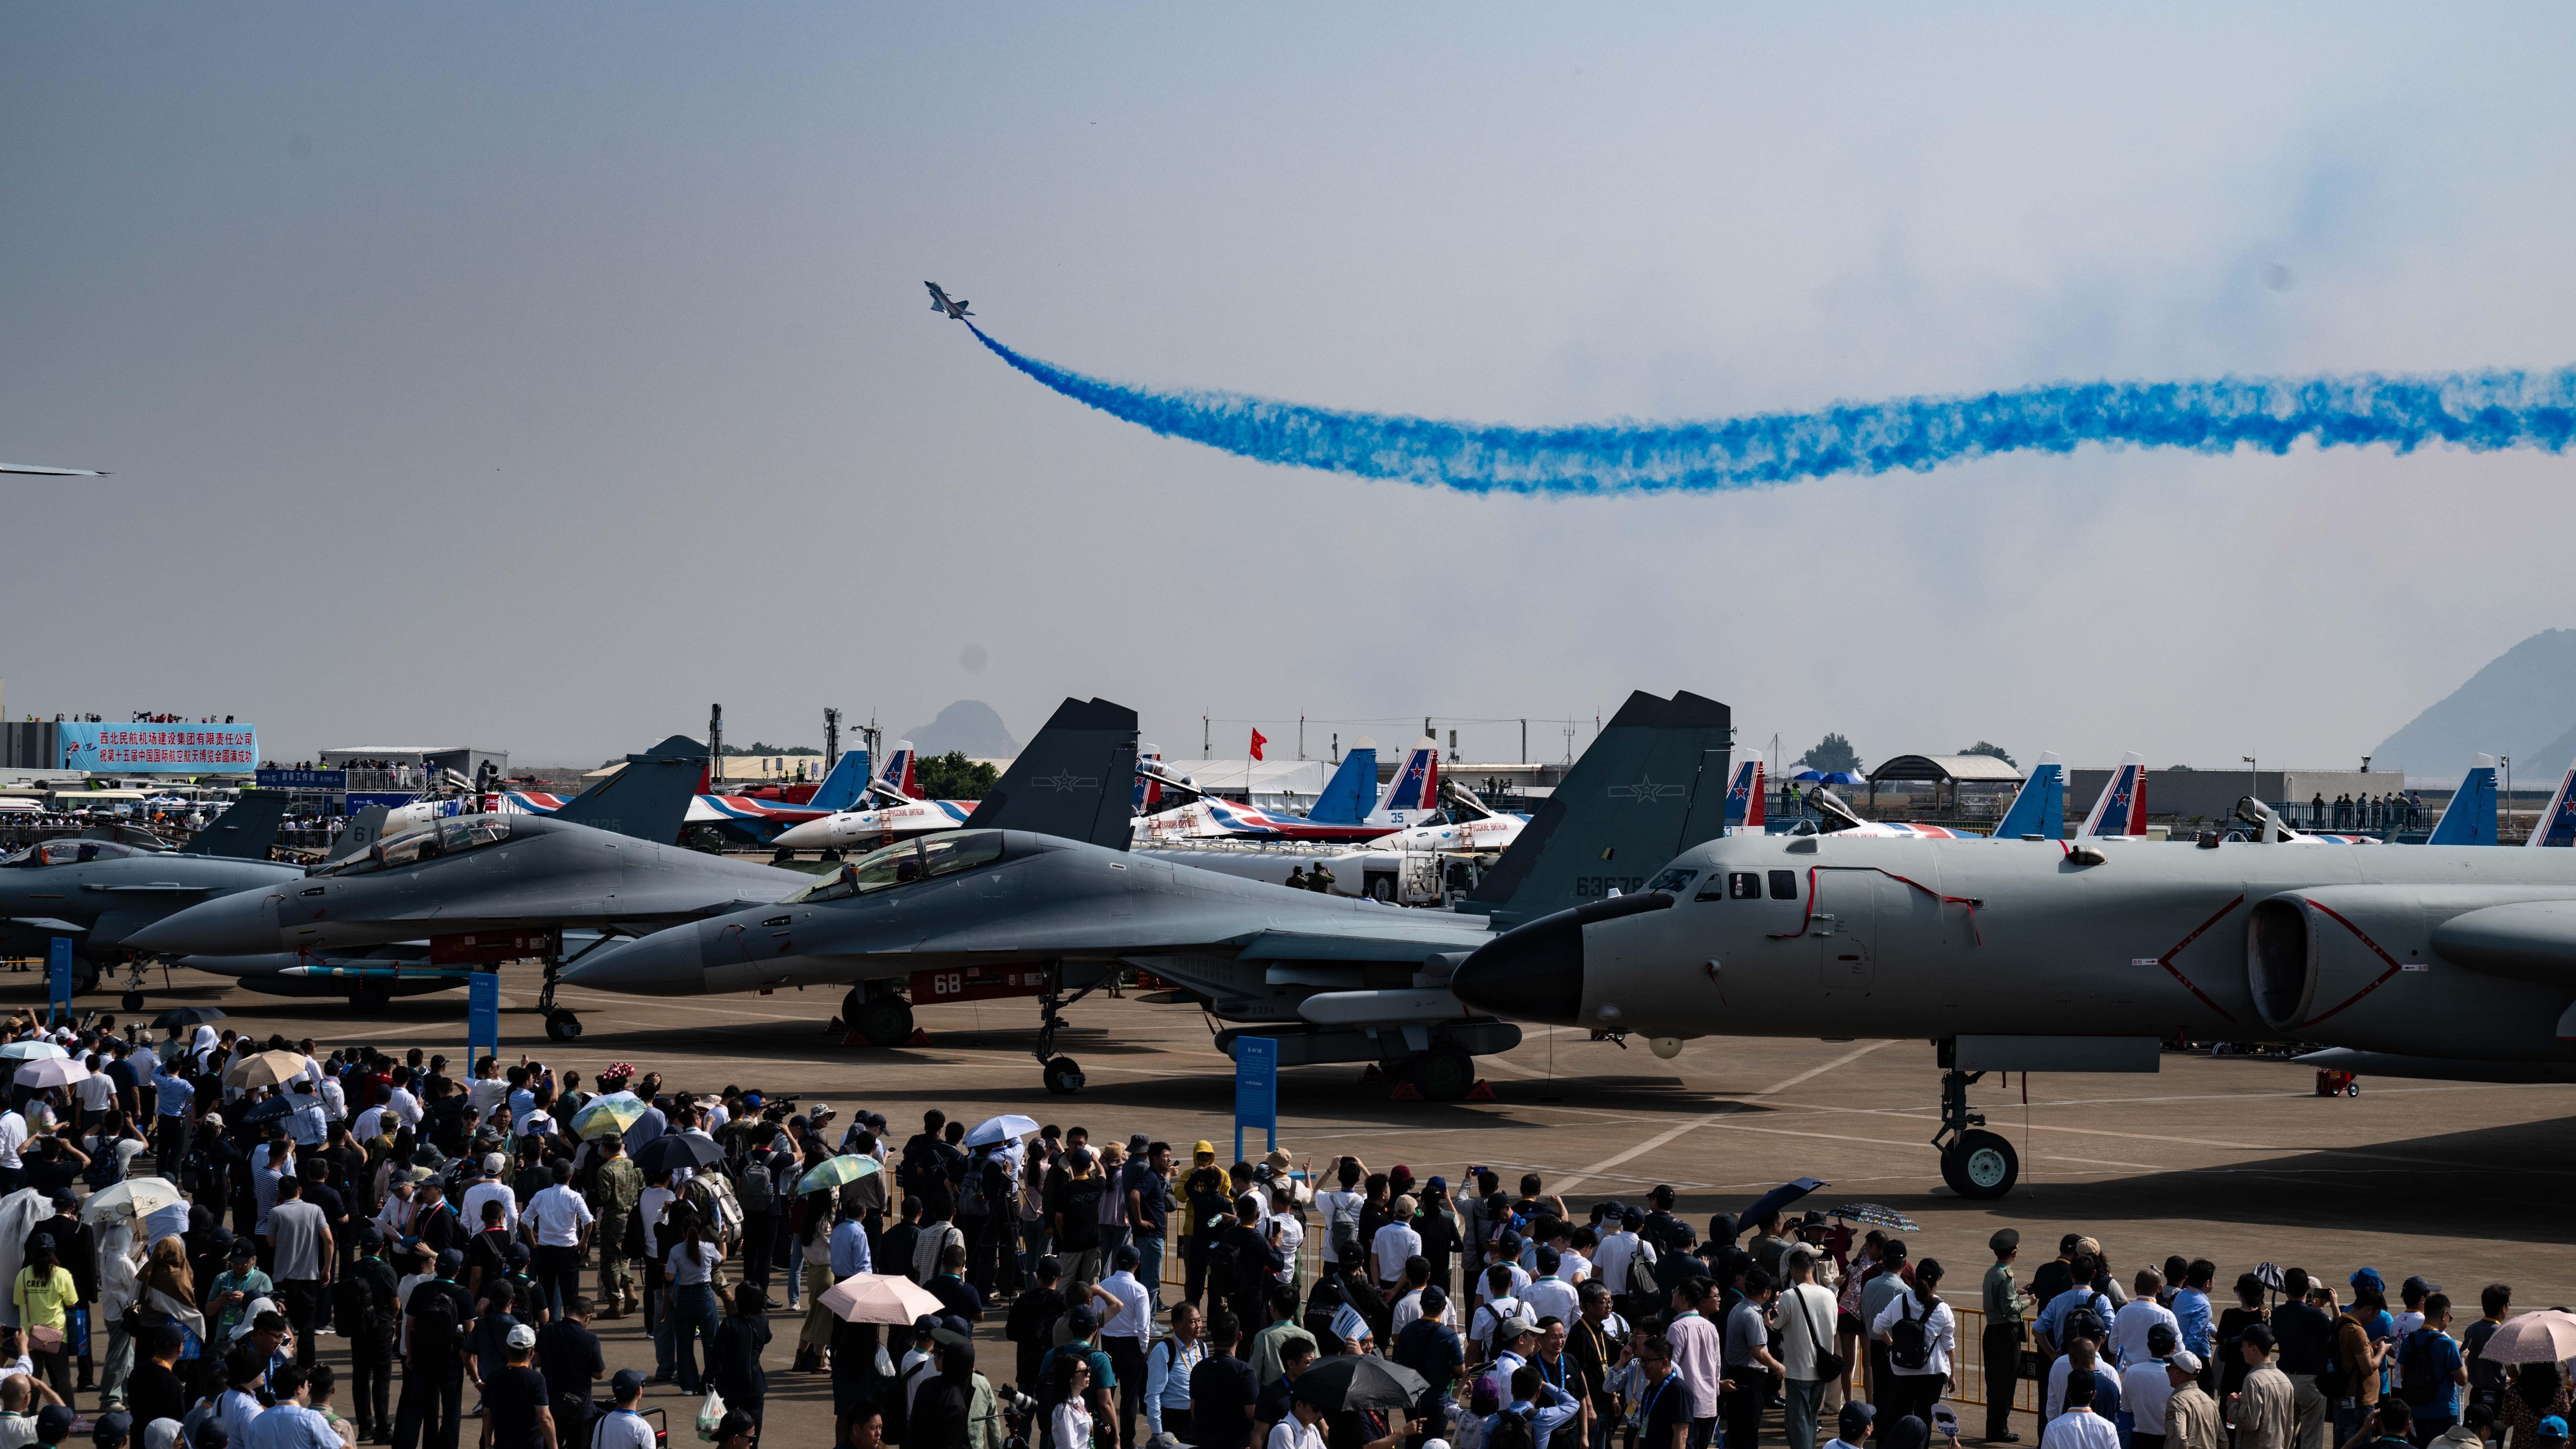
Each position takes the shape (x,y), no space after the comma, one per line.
(532,376)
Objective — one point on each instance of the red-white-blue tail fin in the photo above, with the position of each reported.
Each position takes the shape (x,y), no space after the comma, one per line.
(1415,790)
(2121,808)
(1744,798)
(2557,824)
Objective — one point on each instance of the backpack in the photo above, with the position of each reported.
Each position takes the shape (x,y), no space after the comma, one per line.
(2415,1368)
(436,1326)
(973,1199)
(1909,1343)
(353,1308)
(106,1167)
(759,1191)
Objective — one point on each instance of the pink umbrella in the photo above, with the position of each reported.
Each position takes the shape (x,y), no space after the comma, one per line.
(2546,1336)
(879,1298)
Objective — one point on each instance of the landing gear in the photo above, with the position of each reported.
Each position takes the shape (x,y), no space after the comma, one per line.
(882,1019)
(130,1001)
(1976,1164)
(84,979)
(370,997)
(562,1025)
(1063,1075)
(1444,1074)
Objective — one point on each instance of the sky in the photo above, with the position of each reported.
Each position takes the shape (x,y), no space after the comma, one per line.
(532,377)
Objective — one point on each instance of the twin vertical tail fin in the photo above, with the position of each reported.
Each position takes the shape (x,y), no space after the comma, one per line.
(649,799)
(2040,808)
(246,829)
(1073,781)
(842,788)
(2557,824)
(1745,809)
(2470,818)
(1348,794)
(1652,786)
(2121,808)
(897,774)
(1415,790)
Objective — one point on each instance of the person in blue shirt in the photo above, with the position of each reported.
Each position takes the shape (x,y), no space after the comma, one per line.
(2432,1370)
(2191,1309)
(172,1097)
(849,1248)
(1546,1407)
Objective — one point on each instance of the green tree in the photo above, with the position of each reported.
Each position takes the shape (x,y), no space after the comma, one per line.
(1990,748)
(952,776)
(1831,753)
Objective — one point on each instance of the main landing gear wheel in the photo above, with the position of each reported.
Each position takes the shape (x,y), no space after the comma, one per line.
(1444,1075)
(562,1025)
(1982,1166)
(86,981)
(1063,1076)
(883,1021)
(130,1001)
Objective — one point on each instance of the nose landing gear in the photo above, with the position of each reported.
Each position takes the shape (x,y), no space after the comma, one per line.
(1975,1163)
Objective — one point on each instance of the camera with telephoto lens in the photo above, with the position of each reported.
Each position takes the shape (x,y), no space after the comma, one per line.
(1020,1414)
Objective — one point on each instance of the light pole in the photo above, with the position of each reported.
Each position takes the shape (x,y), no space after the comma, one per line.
(2253,777)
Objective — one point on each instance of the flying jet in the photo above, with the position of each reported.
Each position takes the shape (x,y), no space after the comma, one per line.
(488,888)
(37,471)
(1037,895)
(100,892)
(941,302)
(2061,955)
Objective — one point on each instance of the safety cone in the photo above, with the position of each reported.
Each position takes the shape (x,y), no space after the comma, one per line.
(1479,1092)
(919,1037)
(1404,1092)
(1373,1077)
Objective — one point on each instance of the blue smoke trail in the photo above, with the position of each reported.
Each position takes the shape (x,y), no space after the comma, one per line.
(2480,411)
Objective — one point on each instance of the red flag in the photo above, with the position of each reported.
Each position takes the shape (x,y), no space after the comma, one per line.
(1258,740)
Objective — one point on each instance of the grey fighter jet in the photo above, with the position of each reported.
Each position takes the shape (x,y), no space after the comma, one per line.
(100,892)
(483,889)
(1007,907)
(940,302)
(2067,955)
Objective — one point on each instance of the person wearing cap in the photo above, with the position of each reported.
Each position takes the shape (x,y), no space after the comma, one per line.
(515,1412)
(615,1189)
(363,1312)
(2264,1408)
(1395,1241)
(568,1355)
(2006,1333)
(2191,1415)
(2146,1388)
(2432,1370)
(54,1425)
(2360,1352)
(1208,1215)
(623,1427)
(490,1188)
(114,1429)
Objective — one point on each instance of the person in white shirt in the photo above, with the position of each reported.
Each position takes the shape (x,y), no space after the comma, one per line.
(335,1101)
(1915,1389)
(1340,1209)
(1496,1305)
(1301,1429)
(2145,1387)
(2137,1318)
(2079,1427)
(1621,1254)
(491,1189)
(1126,1326)
(97,1091)
(370,1123)
(1516,1276)
(1167,1374)
(1395,1242)
(560,1221)
(487,1090)
(1549,1295)
(1806,1319)
(13,1135)
(400,1102)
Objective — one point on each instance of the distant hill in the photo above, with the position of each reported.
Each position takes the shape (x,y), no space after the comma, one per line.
(968,725)
(2522,704)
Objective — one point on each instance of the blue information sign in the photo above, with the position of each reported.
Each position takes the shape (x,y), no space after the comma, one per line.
(334,781)
(58,979)
(482,1016)
(1256,1089)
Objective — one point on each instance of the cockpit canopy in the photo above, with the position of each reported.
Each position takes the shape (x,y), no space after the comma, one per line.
(426,841)
(921,858)
(71,852)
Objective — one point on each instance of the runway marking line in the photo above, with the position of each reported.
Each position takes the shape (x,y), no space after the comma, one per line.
(1722,1113)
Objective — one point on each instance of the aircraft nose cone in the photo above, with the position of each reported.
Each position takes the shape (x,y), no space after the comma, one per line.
(241,924)
(662,964)
(1529,973)
(807,835)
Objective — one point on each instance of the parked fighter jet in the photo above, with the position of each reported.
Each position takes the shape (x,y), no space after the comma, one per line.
(939,302)
(2061,955)
(488,888)
(1339,815)
(890,809)
(100,892)
(1014,904)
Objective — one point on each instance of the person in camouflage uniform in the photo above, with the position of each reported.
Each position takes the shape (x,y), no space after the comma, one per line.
(615,1187)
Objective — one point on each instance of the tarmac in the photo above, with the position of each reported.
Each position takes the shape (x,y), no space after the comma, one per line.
(2234,1159)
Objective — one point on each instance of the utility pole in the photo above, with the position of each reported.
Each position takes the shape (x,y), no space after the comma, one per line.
(1301,737)
(1524,741)
(831,739)
(1203,735)
(2253,777)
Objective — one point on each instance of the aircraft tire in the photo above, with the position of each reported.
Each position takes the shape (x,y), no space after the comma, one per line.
(370,998)
(1983,1166)
(1063,1076)
(562,1025)
(1444,1074)
(885,1021)
(84,980)
(131,1001)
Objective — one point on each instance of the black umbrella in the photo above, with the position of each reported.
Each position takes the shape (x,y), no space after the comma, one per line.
(1778,1198)
(187,1016)
(1361,1381)
(676,1149)
(270,1109)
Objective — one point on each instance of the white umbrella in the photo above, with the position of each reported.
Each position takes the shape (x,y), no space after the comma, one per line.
(2547,1336)
(1002,1128)
(31,1050)
(59,1071)
(140,1196)
(879,1298)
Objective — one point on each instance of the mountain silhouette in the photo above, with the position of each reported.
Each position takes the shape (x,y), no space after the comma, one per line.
(969,725)
(2523,704)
